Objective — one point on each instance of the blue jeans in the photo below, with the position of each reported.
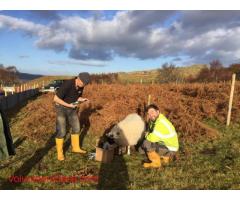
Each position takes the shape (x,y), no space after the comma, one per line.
(65,114)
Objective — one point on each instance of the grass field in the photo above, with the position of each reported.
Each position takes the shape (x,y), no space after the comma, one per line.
(206,165)
(204,161)
(151,75)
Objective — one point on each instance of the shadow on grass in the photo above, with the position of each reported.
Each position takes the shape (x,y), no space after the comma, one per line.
(19,141)
(114,175)
(28,165)
(12,113)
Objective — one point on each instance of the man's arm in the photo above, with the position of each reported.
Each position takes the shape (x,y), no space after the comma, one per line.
(61,93)
(81,99)
(63,103)
(151,135)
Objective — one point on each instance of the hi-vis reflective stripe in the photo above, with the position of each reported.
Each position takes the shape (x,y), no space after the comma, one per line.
(170,129)
(164,136)
(172,148)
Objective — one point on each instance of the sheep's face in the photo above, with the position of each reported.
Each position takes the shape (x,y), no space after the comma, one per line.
(116,135)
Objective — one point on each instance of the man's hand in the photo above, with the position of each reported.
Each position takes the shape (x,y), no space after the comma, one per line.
(146,133)
(82,99)
(72,106)
(147,119)
(57,100)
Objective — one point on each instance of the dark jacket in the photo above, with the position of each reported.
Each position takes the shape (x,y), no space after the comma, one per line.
(5,133)
(68,91)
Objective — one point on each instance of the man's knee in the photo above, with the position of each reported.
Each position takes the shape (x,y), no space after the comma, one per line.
(148,146)
(76,126)
(60,132)
(60,127)
(74,122)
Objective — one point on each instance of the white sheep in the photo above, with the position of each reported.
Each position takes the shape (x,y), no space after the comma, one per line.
(128,131)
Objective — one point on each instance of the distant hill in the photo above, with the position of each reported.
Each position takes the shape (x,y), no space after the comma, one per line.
(146,76)
(7,77)
(134,77)
(10,75)
(151,75)
(192,70)
(44,80)
(27,77)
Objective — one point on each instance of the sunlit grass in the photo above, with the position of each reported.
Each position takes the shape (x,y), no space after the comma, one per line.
(210,165)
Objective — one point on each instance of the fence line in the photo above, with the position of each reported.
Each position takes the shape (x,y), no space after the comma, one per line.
(8,102)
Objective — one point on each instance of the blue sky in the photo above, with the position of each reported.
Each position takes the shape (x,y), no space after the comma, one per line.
(68,42)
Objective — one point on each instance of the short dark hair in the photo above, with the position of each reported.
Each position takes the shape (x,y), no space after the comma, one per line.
(155,107)
(84,77)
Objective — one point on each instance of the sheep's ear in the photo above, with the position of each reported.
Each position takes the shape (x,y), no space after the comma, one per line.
(116,129)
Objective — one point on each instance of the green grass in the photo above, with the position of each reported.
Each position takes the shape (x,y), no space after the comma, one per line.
(150,76)
(208,165)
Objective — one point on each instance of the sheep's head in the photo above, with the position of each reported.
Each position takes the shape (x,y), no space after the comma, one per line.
(114,132)
(117,135)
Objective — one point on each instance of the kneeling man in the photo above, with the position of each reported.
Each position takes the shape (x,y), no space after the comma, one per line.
(161,140)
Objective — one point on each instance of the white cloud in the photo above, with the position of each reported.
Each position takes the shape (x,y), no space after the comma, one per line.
(20,24)
(77,63)
(200,35)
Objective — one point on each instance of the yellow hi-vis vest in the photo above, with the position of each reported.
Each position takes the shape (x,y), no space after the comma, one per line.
(164,133)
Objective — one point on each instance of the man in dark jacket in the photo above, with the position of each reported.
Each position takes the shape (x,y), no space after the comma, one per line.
(6,143)
(66,99)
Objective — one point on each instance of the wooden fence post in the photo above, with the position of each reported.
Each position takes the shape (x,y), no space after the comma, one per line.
(231,100)
(149,99)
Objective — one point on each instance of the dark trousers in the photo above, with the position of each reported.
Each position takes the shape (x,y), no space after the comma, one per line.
(65,115)
(3,144)
(6,142)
